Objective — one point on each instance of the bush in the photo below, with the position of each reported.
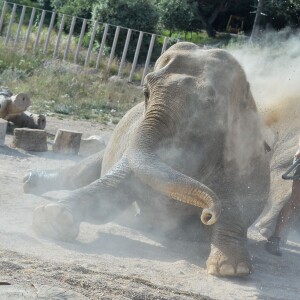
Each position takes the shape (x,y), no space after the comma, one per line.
(176,15)
(140,15)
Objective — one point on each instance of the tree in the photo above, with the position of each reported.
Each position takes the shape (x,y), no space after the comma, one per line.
(283,13)
(175,15)
(257,19)
(79,8)
(208,11)
(140,15)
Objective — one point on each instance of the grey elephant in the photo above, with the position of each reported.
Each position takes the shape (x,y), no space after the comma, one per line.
(194,147)
(284,123)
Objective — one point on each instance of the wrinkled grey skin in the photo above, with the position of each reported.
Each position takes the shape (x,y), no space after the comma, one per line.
(194,143)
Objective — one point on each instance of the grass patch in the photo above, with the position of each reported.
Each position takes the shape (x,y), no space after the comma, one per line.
(199,38)
(67,90)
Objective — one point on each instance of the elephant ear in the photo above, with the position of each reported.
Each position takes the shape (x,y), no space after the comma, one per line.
(244,141)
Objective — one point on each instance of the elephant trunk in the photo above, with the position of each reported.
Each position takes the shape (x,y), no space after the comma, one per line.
(149,168)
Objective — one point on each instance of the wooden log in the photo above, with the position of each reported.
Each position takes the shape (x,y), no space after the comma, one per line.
(3,126)
(67,142)
(30,139)
(10,105)
(3,106)
(27,119)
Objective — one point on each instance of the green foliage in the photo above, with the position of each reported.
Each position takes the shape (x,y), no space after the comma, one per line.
(136,14)
(16,65)
(283,13)
(32,3)
(63,90)
(176,15)
(79,8)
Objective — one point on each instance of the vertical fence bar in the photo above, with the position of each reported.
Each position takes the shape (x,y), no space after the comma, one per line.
(136,55)
(12,16)
(20,25)
(80,40)
(124,52)
(39,30)
(88,54)
(102,46)
(113,48)
(3,15)
(153,36)
(69,38)
(163,49)
(49,32)
(61,27)
(29,28)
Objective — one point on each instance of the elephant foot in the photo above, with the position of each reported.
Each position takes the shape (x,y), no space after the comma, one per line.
(235,261)
(39,182)
(55,221)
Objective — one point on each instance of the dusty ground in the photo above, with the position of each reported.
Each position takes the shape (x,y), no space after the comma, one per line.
(112,261)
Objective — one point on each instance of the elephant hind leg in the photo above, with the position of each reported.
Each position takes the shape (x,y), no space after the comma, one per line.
(83,173)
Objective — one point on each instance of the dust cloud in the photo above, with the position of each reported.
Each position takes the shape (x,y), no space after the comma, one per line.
(272,67)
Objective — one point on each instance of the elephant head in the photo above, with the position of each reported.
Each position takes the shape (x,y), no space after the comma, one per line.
(176,101)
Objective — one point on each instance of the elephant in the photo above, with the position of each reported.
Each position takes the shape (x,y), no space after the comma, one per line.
(285,126)
(194,147)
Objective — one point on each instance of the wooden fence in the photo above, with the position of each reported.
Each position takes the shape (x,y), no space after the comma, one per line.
(94,45)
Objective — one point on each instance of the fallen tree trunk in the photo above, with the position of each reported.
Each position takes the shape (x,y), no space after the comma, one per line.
(27,119)
(15,104)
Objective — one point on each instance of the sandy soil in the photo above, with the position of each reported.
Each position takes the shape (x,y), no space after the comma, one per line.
(112,261)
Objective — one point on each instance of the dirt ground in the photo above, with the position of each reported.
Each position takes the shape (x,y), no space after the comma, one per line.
(112,261)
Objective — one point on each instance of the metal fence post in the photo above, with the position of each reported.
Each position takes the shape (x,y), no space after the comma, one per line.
(49,32)
(88,54)
(80,40)
(124,52)
(69,38)
(29,28)
(163,49)
(153,36)
(113,48)
(3,15)
(136,55)
(20,25)
(12,16)
(39,30)
(61,27)
(102,46)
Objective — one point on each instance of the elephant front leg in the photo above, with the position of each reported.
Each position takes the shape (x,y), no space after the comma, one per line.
(102,200)
(83,173)
(229,256)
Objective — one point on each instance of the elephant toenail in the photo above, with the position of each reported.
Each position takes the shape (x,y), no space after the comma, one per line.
(227,270)
(243,269)
(212,270)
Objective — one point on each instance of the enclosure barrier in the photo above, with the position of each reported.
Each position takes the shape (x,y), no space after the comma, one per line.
(42,31)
